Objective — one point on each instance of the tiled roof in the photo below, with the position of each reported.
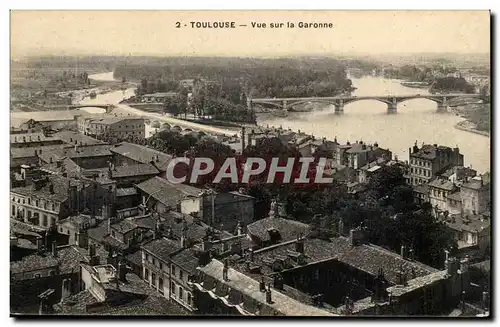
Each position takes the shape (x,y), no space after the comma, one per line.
(244,293)
(71,137)
(124,226)
(88,151)
(288,229)
(175,220)
(186,259)
(25,229)
(30,152)
(60,187)
(142,154)
(135,257)
(471,223)
(443,184)
(33,262)
(365,257)
(67,165)
(98,233)
(134,170)
(167,193)
(477,183)
(162,247)
(31,137)
(421,188)
(67,260)
(126,191)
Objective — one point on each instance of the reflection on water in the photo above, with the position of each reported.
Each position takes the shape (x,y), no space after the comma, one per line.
(367,120)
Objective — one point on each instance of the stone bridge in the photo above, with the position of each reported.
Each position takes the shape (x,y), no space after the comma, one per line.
(340,101)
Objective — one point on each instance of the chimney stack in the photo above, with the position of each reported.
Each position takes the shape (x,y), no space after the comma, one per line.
(122,271)
(356,236)
(269,295)
(250,254)
(262,285)
(225,270)
(54,248)
(403,252)
(299,245)
(91,250)
(39,244)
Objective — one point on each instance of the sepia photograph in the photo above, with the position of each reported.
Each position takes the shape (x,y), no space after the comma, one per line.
(250,163)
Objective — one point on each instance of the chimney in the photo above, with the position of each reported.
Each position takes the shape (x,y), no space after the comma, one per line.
(122,271)
(54,248)
(403,252)
(39,244)
(239,229)
(225,270)
(341,227)
(269,295)
(262,285)
(278,282)
(91,250)
(157,158)
(356,236)
(299,244)
(453,266)
(250,254)
(51,188)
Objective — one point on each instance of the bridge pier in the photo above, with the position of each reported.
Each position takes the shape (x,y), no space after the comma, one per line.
(392,108)
(339,109)
(442,107)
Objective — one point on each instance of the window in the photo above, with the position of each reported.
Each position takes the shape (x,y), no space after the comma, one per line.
(146,274)
(173,289)
(29,200)
(189,298)
(53,207)
(180,274)
(29,214)
(13,210)
(173,270)
(161,266)
(113,233)
(153,279)
(160,285)
(24,201)
(181,294)
(52,273)
(44,220)
(38,275)
(36,203)
(154,262)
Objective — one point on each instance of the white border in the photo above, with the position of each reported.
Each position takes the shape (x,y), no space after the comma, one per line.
(192,5)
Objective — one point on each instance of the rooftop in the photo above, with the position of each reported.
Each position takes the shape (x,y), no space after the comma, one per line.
(430,151)
(31,137)
(166,192)
(113,120)
(186,259)
(53,188)
(162,248)
(366,257)
(73,138)
(288,229)
(143,154)
(244,292)
(443,184)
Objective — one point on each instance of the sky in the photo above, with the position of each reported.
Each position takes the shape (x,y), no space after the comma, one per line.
(155,33)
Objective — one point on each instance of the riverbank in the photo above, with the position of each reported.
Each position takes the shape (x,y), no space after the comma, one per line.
(469,126)
(477,118)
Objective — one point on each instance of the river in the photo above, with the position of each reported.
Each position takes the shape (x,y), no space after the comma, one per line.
(367,120)
(115,97)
